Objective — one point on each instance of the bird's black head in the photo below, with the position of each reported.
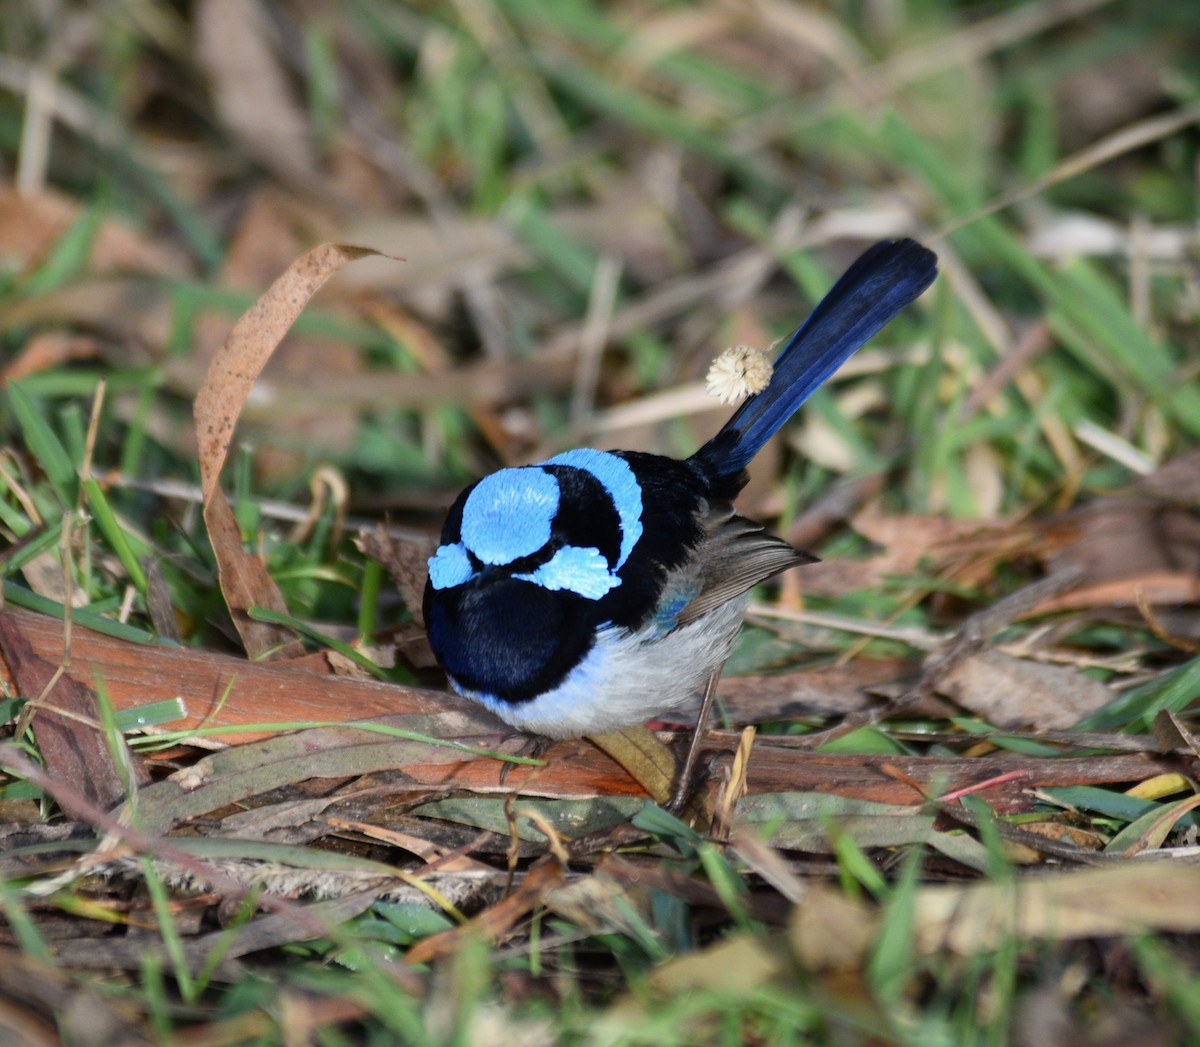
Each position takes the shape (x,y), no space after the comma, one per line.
(515,589)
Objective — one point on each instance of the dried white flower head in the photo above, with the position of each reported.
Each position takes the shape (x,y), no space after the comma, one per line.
(740,371)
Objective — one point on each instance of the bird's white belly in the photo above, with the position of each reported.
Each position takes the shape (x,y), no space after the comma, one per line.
(627,678)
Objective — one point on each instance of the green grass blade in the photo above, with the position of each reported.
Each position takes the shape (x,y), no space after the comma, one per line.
(44,445)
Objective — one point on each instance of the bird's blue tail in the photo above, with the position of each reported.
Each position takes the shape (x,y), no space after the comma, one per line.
(884,279)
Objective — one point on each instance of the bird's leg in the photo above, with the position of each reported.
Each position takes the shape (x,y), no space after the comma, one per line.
(533,746)
(683,783)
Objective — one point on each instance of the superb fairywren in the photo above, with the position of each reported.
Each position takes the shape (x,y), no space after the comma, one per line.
(599,589)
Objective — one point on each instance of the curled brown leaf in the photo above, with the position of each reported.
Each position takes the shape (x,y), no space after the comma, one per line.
(245,582)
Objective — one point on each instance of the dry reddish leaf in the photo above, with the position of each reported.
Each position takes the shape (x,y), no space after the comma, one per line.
(245,582)
(223,690)
(969,639)
(66,722)
(1015,692)
(577,769)
(909,539)
(867,775)
(218,690)
(1127,553)
(571,769)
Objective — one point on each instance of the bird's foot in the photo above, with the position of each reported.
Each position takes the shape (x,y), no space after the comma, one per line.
(532,747)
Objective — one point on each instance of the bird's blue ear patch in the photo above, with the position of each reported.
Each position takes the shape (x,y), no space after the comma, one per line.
(582,571)
(509,514)
(449,566)
(617,478)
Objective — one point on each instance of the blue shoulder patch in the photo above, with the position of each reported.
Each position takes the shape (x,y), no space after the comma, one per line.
(449,566)
(582,571)
(509,514)
(617,478)
(666,614)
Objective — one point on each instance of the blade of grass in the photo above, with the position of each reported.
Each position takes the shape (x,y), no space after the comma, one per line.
(892,963)
(118,537)
(1134,711)
(172,937)
(19,596)
(264,614)
(44,445)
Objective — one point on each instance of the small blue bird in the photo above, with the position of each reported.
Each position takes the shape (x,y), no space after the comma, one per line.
(600,589)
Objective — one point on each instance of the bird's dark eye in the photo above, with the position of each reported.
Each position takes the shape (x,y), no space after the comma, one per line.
(586,517)
(529,564)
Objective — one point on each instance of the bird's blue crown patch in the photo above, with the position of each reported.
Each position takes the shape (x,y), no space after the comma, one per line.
(509,514)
